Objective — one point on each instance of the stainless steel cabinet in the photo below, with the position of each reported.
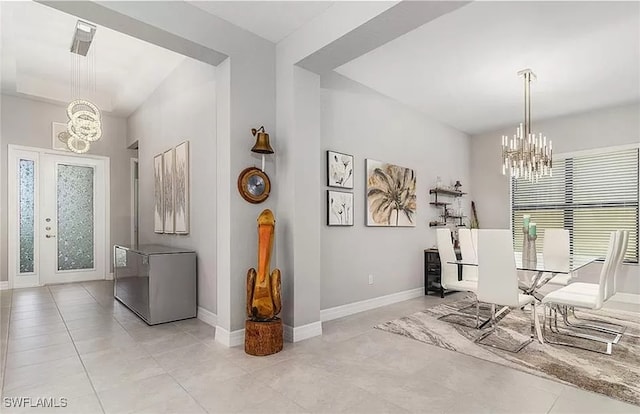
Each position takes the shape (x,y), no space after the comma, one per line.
(156,282)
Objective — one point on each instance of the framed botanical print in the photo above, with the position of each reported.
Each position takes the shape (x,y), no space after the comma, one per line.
(339,170)
(339,208)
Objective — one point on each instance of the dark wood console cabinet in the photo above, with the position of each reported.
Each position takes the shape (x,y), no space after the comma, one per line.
(432,271)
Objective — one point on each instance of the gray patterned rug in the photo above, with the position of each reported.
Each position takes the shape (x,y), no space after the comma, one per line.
(616,375)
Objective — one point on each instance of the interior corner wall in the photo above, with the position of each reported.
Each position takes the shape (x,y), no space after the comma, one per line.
(182,108)
(365,124)
(28,122)
(591,130)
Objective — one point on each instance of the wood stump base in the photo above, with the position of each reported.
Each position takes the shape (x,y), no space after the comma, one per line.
(263,337)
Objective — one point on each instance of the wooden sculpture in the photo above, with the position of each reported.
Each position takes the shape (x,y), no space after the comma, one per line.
(263,329)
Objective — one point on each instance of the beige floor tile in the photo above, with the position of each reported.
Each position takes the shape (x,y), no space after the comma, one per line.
(142,332)
(183,404)
(108,374)
(207,372)
(30,314)
(38,341)
(39,355)
(106,331)
(276,403)
(190,356)
(120,341)
(115,355)
(137,395)
(68,386)
(230,395)
(92,321)
(41,319)
(576,401)
(52,328)
(373,405)
(38,302)
(169,342)
(42,373)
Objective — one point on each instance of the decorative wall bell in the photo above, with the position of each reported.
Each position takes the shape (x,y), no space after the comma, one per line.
(262,145)
(263,329)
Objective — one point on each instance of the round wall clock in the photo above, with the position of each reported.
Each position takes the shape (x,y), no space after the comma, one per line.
(254,185)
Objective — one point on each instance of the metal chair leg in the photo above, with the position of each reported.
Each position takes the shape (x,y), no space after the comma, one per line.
(492,329)
(565,320)
(608,327)
(553,327)
(478,324)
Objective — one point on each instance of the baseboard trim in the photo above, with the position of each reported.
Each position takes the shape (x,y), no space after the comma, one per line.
(108,276)
(229,339)
(300,333)
(626,298)
(4,285)
(207,317)
(368,304)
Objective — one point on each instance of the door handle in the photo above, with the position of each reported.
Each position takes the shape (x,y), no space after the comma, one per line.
(48,236)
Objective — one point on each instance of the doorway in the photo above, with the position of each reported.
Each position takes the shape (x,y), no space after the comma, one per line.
(57,217)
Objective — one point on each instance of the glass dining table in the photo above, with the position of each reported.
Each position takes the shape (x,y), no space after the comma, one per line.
(536,273)
(533,274)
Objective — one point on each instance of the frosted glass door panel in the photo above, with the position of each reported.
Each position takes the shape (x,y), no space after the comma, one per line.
(27,211)
(75,207)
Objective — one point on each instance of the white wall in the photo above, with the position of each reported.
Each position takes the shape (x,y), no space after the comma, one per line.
(182,108)
(28,122)
(596,129)
(360,122)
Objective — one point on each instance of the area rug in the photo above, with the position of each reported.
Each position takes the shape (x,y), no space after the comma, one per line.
(616,375)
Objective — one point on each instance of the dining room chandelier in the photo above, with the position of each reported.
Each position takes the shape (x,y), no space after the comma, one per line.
(84,125)
(526,155)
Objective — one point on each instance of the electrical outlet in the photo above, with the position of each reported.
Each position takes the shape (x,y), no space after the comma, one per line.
(371,279)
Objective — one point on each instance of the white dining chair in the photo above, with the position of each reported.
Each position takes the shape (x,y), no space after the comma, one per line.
(555,254)
(449,271)
(622,240)
(584,296)
(468,253)
(498,280)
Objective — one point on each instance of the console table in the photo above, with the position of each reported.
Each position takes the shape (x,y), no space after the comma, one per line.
(432,271)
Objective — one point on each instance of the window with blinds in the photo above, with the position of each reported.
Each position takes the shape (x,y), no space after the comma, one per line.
(590,195)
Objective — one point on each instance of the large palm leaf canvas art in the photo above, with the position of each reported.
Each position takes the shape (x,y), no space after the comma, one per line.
(391,195)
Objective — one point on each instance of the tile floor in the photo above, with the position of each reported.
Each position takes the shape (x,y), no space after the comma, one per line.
(75,341)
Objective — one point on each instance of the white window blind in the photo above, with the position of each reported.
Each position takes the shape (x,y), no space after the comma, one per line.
(590,195)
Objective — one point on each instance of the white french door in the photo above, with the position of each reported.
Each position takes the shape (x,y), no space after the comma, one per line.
(57,217)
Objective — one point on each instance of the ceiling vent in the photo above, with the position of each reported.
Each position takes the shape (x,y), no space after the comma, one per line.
(82,38)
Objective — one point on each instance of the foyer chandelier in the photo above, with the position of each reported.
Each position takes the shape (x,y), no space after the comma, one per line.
(84,125)
(526,155)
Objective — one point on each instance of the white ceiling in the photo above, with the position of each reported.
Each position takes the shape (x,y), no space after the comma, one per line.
(36,61)
(461,68)
(272,20)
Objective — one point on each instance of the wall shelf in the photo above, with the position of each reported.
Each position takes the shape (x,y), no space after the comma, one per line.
(445,216)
